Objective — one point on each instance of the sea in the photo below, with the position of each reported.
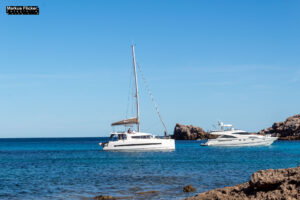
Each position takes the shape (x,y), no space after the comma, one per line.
(77,168)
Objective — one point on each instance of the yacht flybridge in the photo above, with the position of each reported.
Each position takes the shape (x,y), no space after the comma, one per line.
(136,140)
(228,136)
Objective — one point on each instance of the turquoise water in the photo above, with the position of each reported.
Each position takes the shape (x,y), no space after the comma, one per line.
(76,168)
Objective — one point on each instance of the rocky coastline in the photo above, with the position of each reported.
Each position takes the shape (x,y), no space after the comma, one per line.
(190,132)
(286,130)
(270,184)
(264,184)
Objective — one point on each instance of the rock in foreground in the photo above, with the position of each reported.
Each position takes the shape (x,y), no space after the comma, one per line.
(102,197)
(189,188)
(287,130)
(183,132)
(264,184)
(147,192)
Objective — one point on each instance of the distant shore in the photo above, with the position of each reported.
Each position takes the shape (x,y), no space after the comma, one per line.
(286,130)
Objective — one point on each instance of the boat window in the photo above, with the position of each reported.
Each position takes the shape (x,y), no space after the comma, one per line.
(142,137)
(113,137)
(226,136)
(122,136)
(241,133)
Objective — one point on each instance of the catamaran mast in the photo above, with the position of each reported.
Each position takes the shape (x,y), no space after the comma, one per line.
(136,89)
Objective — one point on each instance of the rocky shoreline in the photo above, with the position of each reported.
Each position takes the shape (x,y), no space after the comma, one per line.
(286,130)
(190,132)
(267,184)
(264,184)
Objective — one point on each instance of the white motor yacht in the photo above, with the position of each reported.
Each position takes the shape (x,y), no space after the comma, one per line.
(136,140)
(228,136)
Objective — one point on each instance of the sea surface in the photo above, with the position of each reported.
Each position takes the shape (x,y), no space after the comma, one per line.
(77,168)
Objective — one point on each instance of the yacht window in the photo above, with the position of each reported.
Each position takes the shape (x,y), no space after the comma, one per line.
(241,133)
(142,137)
(226,136)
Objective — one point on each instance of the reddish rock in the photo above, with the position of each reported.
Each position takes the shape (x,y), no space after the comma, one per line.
(189,188)
(102,197)
(264,184)
(184,132)
(287,130)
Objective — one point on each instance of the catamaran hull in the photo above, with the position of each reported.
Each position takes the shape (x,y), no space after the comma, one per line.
(241,142)
(149,145)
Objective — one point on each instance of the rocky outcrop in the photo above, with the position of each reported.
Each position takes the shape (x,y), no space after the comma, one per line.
(264,184)
(287,130)
(189,188)
(102,197)
(183,132)
(147,192)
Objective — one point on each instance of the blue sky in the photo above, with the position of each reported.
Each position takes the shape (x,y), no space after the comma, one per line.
(65,73)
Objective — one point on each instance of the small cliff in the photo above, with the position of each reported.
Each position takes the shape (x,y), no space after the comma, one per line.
(189,132)
(287,130)
(264,184)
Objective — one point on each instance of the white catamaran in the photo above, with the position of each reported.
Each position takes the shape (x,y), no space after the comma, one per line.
(136,140)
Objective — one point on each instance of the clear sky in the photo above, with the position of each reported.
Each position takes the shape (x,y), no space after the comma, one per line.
(65,73)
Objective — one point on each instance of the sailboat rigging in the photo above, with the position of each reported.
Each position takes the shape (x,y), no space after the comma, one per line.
(136,140)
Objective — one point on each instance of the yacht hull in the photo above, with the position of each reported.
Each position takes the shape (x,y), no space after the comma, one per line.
(138,144)
(241,142)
